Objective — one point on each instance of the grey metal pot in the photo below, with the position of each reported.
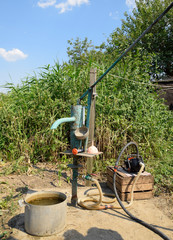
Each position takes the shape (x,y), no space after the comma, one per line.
(48,219)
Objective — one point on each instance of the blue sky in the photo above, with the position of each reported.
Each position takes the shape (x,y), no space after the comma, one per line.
(34,33)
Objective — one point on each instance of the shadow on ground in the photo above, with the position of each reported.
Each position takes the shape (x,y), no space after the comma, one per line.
(93,234)
(17,222)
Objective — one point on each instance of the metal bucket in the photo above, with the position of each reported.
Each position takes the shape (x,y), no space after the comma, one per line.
(45,220)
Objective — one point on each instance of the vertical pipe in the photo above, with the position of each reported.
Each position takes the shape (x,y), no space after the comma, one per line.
(77,112)
(74,181)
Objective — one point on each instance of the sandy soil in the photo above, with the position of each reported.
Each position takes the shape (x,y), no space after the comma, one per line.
(81,223)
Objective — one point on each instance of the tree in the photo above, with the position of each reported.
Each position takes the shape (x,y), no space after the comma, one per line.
(158,42)
(81,52)
(78,51)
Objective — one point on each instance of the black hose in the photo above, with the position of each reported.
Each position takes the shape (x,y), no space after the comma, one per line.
(162,235)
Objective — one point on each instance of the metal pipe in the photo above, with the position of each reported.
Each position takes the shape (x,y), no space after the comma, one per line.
(62,120)
(74,197)
(127,50)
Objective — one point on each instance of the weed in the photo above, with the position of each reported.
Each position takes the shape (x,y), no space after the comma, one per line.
(4,235)
(4,203)
(59,177)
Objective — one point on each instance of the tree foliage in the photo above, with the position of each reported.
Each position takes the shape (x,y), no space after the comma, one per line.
(157,43)
(78,51)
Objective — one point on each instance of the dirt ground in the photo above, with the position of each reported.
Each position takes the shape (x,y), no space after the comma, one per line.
(81,224)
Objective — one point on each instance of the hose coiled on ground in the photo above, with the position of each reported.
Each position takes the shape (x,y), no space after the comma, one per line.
(101,204)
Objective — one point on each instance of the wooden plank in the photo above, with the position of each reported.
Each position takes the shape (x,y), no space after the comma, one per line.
(82,154)
(93,75)
(136,195)
(125,178)
(124,174)
(128,187)
(88,155)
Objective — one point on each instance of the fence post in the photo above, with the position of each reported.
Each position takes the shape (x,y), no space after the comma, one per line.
(93,75)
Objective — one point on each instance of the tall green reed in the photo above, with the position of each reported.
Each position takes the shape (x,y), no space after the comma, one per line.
(127,109)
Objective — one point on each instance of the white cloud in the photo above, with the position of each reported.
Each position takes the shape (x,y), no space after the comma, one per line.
(63,6)
(46,3)
(114,15)
(130,4)
(12,55)
(69,4)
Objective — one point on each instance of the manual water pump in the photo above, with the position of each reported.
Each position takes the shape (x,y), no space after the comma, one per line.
(79,134)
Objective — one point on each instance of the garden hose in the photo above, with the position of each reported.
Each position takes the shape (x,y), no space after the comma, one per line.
(162,235)
(98,203)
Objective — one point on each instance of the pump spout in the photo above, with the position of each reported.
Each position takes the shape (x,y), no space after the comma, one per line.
(62,120)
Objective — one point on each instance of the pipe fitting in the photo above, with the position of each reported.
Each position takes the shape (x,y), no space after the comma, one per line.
(62,120)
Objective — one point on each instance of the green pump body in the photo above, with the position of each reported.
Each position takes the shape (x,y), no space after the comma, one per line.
(77,113)
(76,121)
